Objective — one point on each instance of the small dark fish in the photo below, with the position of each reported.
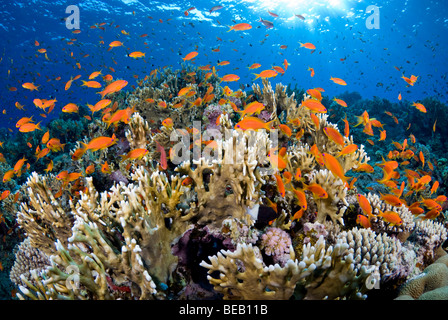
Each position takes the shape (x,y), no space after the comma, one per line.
(215,8)
(268,24)
(266,214)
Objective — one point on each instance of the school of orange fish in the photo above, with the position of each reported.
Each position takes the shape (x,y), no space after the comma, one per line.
(416,180)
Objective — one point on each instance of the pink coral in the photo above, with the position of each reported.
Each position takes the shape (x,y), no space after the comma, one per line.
(275,242)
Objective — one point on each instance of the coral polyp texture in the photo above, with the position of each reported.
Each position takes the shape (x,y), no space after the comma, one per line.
(213,198)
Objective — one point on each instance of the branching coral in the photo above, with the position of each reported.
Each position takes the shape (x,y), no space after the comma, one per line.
(217,191)
(335,204)
(321,273)
(44,219)
(226,186)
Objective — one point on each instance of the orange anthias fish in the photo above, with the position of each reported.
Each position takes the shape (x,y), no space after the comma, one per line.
(29,127)
(266,74)
(253,123)
(363,221)
(78,153)
(113,87)
(115,44)
(312,71)
(434,187)
(99,105)
(168,122)
(8,175)
(137,54)
(240,27)
(332,164)
(94,74)
(341,102)
(431,204)
(230,78)
(251,108)
(348,150)
(422,158)
(3,196)
(49,167)
(122,115)
(30,86)
(364,204)
(136,154)
(285,129)
(392,200)
(55,145)
(317,191)
(223,63)
(334,136)
(24,120)
(91,84)
(315,94)
(301,198)
(315,120)
(42,153)
(314,106)
(254,66)
(45,137)
(19,164)
(346,126)
(90,169)
(190,56)
(308,45)
(105,168)
(279,69)
(70,108)
(391,217)
(100,143)
(277,161)
(419,107)
(317,154)
(280,185)
(338,81)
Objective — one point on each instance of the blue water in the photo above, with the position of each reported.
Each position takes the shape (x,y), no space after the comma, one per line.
(411,36)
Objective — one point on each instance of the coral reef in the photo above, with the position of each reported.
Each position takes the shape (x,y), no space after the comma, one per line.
(431,284)
(235,212)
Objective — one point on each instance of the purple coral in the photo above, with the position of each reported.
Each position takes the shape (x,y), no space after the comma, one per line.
(236,101)
(264,115)
(212,112)
(275,242)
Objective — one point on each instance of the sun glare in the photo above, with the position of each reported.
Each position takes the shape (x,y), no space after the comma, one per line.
(300,5)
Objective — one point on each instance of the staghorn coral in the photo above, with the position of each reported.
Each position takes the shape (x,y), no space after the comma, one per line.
(226,186)
(335,204)
(274,100)
(139,211)
(138,132)
(44,219)
(321,273)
